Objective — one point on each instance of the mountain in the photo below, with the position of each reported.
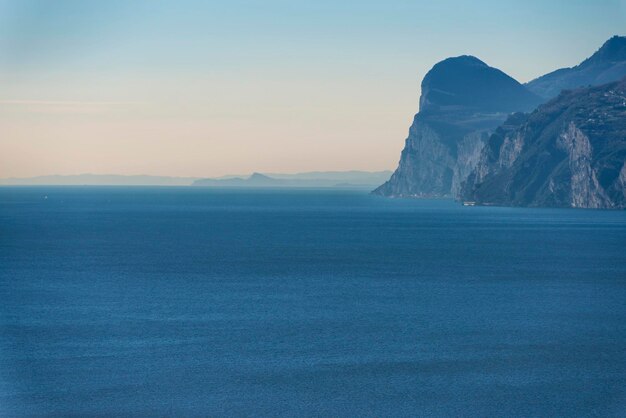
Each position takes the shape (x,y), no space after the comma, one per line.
(570,152)
(346,179)
(463,100)
(255,180)
(606,65)
(467,83)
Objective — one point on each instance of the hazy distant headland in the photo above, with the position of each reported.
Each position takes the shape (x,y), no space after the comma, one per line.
(359,179)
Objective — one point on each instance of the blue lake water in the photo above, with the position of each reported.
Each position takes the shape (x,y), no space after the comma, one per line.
(190,301)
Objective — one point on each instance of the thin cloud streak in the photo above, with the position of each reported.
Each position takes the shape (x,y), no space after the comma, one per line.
(67,106)
(69,102)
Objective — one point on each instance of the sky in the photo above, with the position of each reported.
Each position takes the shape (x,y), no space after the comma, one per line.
(205,88)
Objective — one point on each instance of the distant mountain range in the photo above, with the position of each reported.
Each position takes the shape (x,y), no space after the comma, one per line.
(464,102)
(312,179)
(308,179)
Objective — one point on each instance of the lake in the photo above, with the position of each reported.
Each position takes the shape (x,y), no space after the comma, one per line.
(122,301)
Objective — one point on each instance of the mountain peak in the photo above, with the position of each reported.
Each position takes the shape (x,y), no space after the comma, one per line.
(259,176)
(612,50)
(463,60)
(467,82)
(607,64)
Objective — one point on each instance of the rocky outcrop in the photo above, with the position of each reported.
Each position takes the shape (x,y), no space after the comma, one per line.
(501,150)
(570,152)
(462,101)
(585,190)
(469,150)
(606,65)
(425,165)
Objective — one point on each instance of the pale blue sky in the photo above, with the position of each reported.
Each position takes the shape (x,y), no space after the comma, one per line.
(205,88)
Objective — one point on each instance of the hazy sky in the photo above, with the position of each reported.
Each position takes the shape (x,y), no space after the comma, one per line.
(201,88)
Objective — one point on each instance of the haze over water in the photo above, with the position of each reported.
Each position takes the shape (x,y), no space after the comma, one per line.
(183,301)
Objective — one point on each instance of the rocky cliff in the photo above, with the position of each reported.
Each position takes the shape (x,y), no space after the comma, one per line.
(570,152)
(606,65)
(463,100)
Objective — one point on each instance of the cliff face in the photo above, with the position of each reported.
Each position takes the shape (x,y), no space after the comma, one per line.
(606,65)
(463,100)
(425,165)
(570,152)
